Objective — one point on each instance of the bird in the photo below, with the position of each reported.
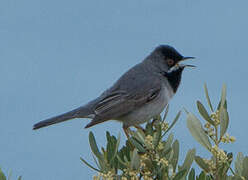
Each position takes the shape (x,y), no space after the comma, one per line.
(137,96)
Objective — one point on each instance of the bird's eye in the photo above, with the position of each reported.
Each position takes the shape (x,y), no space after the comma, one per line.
(170,62)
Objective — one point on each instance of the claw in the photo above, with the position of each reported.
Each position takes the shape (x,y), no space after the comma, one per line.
(125,129)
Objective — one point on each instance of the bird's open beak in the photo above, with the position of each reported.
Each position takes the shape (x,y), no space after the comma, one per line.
(186,65)
(186,58)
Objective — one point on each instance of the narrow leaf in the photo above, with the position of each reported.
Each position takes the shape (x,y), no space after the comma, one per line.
(168,142)
(97,164)
(196,130)
(116,147)
(202,176)
(175,148)
(224,121)
(167,153)
(137,145)
(2,176)
(180,175)
(191,174)
(157,136)
(135,161)
(202,163)
(85,162)
(188,160)
(245,168)
(121,161)
(94,147)
(173,123)
(208,177)
(219,105)
(111,141)
(141,136)
(223,95)
(239,163)
(166,112)
(19,178)
(204,113)
(208,99)
(149,128)
(10,175)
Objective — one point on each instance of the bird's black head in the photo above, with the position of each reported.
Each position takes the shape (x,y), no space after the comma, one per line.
(170,55)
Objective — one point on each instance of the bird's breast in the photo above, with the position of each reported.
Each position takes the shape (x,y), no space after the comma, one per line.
(149,110)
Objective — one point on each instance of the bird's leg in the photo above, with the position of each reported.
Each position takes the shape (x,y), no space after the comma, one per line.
(154,120)
(139,127)
(125,129)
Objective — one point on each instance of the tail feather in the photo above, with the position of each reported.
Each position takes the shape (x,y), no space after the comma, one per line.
(54,120)
(81,112)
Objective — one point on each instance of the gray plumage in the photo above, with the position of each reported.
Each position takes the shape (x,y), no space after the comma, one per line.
(139,95)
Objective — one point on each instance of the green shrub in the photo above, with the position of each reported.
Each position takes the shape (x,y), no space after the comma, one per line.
(3,176)
(153,153)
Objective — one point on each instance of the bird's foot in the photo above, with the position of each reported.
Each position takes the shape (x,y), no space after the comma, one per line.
(126,131)
(139,127)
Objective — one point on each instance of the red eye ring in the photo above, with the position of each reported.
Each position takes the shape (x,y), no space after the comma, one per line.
(170,62)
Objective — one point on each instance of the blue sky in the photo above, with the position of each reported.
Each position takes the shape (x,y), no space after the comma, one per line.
(57,55)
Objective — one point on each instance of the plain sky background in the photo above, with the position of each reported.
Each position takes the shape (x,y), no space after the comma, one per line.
(56,55)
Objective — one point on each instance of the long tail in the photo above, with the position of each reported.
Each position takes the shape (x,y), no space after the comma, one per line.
(81,112)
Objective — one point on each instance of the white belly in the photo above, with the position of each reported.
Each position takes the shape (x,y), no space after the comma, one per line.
(149,110)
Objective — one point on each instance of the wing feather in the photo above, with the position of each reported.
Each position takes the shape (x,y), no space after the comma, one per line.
(119,103)
(130,92)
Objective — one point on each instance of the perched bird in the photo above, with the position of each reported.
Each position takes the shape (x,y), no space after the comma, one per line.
(139,95)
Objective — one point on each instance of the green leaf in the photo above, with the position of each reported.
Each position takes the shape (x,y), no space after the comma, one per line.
(202,163)
(10,175)
(116,147)
(85,162)
(168,142)
(2,176)
(196,130)
(140,135)
(149,128)
(224,121)
(157,119)
(168,154)
(166,112)
(94,147)
(180,174)
(19,178)
(125,151)
(219,105)
(157,137)
(223,95)
(232,178)
(97,164)
(191,174)
(138,145)
(202,176)
(230,157)
(239,163)
(175,148)
(188,160)
(208,99)
(173,123)
(121,161)
(204,113)
(208,177)
(111,141)
(135,160)
(245,168)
